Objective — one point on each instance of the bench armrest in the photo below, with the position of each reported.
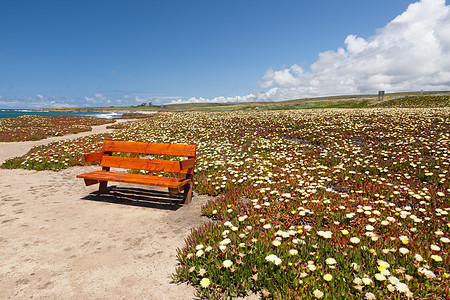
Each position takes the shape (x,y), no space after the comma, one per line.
(187,163)
(90,157)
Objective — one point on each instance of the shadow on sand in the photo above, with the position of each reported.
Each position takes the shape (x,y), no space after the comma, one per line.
(138,197)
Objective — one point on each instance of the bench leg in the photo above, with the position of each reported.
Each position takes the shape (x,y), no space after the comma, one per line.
(187,193)
(103,187)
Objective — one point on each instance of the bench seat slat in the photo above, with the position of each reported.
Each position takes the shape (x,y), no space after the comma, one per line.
(150,148)
(172,183)
(142,164)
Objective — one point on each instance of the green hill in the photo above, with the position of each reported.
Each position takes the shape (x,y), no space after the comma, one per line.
(408,99)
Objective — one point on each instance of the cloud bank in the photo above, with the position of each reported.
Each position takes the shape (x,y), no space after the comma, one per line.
(39,101)
(411,53)
(118,98)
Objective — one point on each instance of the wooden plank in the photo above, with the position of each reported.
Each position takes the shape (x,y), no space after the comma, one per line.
(103,188)
(187,195)
(188,187)
(142,164)
(174,191)
(173,183)
(90,182)
(187,163)
(150,148)
(89,157)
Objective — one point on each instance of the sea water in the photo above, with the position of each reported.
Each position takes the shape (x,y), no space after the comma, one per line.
(12,113)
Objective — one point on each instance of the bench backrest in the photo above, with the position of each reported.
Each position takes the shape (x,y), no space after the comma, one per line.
(150,148)
(183,167)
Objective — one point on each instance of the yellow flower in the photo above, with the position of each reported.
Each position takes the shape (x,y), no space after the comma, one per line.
(393,280)
(325,234)
(344,232)
(318,294)
(328,277)
(391,288)
(404,239)
(436,258)
(380,277)
(293,252)
(382,264)
(227,263)
(205,282)
(385,272)
(403,251)
(402,287)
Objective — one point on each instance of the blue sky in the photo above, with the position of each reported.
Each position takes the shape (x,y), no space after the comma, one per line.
(101,53)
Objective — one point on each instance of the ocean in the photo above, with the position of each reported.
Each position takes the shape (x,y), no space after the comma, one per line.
(12,113)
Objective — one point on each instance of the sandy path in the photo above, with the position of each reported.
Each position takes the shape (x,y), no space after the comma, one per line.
(12,149)
(59,240)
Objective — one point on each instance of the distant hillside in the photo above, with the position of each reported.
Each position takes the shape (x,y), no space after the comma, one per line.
(420,101)
(409,99)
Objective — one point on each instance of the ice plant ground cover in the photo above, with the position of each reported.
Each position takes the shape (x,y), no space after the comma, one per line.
(331,204)
(30,127)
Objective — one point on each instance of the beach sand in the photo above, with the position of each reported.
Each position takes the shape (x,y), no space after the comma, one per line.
(59,240)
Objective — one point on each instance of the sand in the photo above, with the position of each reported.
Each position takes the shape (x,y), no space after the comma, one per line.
(59,240)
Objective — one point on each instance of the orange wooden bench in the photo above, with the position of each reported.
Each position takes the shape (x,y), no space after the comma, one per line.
(108,161)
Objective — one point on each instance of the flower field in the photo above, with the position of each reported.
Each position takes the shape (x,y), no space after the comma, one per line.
(315,204)
(32,128)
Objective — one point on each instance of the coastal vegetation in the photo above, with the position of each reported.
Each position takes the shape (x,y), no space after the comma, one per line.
(308,204)
(410,99)
(32,128)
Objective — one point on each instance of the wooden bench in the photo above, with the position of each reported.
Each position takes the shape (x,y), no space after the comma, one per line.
(108,161)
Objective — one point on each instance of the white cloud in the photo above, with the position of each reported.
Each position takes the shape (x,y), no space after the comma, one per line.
(39,101)
(155,99)
(140,99)
(98,99)
(125,98)
(412,52)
